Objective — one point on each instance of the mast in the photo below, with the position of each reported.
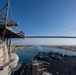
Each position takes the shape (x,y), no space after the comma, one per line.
(6,22)
(7,10)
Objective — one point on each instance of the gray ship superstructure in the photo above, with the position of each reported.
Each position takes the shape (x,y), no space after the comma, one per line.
(8,58)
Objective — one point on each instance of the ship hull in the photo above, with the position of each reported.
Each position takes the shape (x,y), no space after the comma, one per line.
(9,68)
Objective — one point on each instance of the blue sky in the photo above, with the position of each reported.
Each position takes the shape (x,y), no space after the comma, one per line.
(45,17)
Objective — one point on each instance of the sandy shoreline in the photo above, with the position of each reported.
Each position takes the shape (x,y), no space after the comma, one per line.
(19,47)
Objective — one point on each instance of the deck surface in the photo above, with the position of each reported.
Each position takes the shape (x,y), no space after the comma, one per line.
(62,66)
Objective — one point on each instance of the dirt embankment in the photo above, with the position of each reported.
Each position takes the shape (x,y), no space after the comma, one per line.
(19,47)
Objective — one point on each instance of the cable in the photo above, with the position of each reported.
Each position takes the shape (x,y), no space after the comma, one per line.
(69,29)
(18,41)
(10,13)
(50,36)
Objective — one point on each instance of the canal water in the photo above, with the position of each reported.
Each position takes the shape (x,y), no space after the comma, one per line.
(29,53)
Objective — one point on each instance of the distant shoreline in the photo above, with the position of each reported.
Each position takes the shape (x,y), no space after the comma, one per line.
(69,48)
(19,47)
